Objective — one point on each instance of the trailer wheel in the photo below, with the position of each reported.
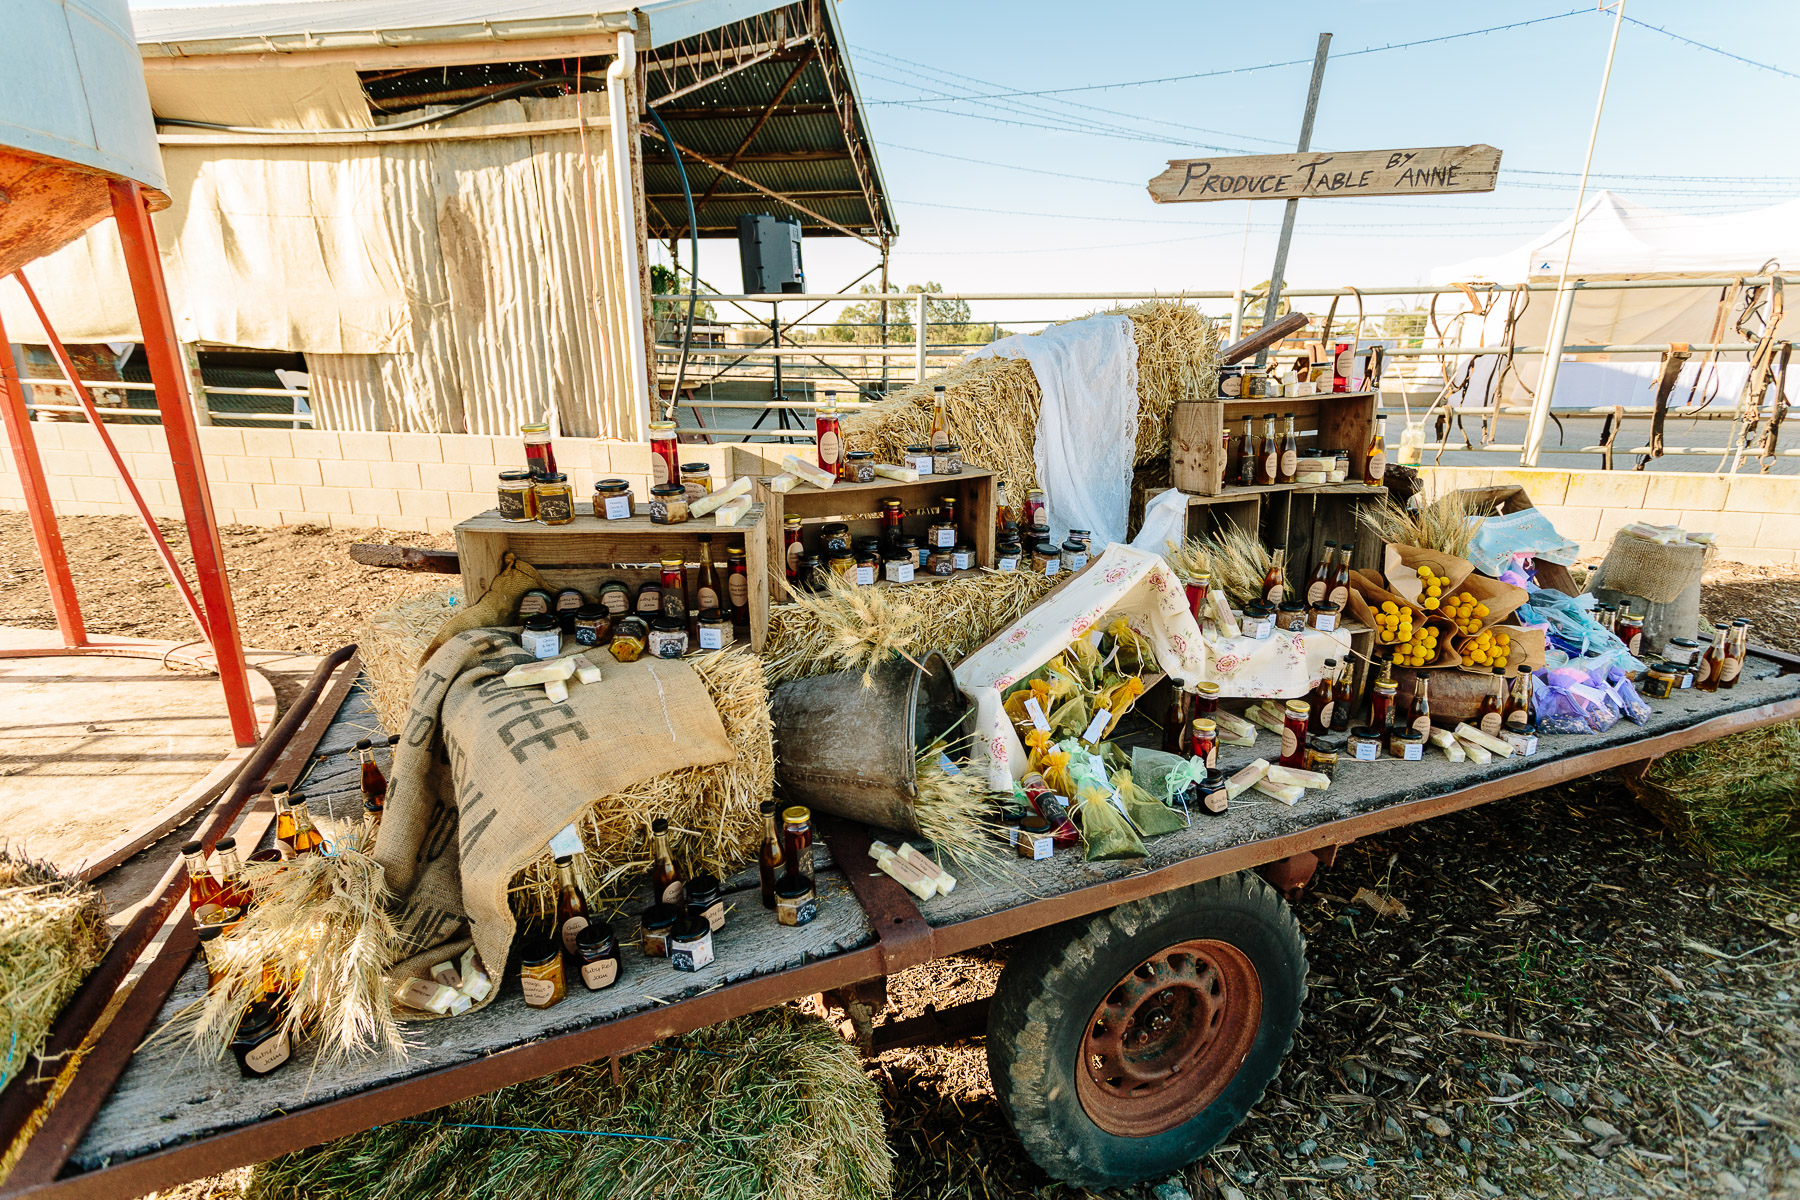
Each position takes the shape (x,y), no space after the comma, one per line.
(1126,1044)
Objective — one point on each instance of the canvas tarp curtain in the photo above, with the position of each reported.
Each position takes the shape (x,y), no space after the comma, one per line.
(444,286)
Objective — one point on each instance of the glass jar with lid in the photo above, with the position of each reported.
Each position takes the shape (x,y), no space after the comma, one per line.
(696,480)
(812,573)
(593,622)
(613,500)
(1046,559)
(668,637)
(555,499)
(962,556)
(941,562)
(542,636)
(868,567)
(919,458)
(834,537)
(1007,553)
(948,460)
(1074,556)
(629,637)
(615,597)
(899,566)
(714,630)
(841,563)
(516,500)
(859,466)
(665,454)
(943,527)
(539,455)
(668,504)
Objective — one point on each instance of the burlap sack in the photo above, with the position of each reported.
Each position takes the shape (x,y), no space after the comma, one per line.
(485,775)
(1640,567)
(497,606)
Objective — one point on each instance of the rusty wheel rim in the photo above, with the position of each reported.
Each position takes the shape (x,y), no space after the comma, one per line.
(1168,1037)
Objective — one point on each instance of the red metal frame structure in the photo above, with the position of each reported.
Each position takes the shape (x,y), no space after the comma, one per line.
(212,609)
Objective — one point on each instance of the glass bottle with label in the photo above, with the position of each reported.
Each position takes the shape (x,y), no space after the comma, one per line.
(572,913)
(1203,741)
(1342,692)
(830,440)
(796,842)
(1418,713)
(1375,461)
(1491,714)
(1198,589)
(1175,720)
(665,884)
(674,589)
(597,954)
(1035,508)
(1002,512)
(737,585)
(940,421)
(1319,585)
(1293,734)
(943,530)
(1268,464)
(769,859)
(1248,453)
(1273,591)
(708,593)
(1321,699)
(203,887)
(1342,353)
(665,454)
(794,546)
(1718,653)
(1733,666)
(1340,580)
(234,893)
(284,819)
(307,839)
(540,456)
(1290,451)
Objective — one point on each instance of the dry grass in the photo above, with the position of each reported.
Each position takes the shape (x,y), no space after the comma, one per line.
(713,812)
(52,933)
(320,924)
(992,404)
(1239,563)
(1190,560)
(1442,524)
(1734,802)
(770,1105)
(955,812)
(390,645)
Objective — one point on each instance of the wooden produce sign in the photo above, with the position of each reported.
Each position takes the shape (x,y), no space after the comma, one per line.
(1432,170)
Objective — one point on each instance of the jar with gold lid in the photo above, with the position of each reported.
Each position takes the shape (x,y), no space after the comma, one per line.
(630,635)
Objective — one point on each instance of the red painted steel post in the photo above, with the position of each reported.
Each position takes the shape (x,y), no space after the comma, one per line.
(37,502)
(163,350)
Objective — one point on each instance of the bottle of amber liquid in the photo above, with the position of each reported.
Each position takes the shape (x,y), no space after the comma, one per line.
(284,819)
(1520,705)
(1733,666)
(234,893)
(1489,717)
(1375,461)
(1290,451)
(1340,581)
(1002,511)
(571,906)
(1342,697)
(1248,454)
(1320,699)
(1175,721)
(940,421)
(665,884)
(1273,591)
(374,783)
(1319,585)
(1268,467)
(707,589)
(307,838)
(1418,713)
(1716,656)
(769,860)
(203,887)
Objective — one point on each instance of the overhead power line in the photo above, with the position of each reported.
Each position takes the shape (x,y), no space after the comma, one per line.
(1712,49)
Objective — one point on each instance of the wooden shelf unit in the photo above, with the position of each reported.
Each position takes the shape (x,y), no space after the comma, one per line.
(589,551)
(1199,457)
(858,505)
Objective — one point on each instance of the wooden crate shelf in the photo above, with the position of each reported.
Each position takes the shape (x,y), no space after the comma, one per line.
(1331,421)
(590,551)
(858,505)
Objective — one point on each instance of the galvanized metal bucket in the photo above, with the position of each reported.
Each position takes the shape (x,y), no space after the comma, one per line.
(850,750)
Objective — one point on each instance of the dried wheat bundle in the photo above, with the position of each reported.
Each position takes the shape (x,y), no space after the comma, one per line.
(1446,524)
(52,933)
(1190,560)
(847,628)
(955,812)
(1240,563)
(321,927)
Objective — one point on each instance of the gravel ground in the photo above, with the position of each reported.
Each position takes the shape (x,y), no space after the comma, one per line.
(1570,1006)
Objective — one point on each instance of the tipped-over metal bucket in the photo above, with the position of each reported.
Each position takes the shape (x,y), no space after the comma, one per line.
(851,750)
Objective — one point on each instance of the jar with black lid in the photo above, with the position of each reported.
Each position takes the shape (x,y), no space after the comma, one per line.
(962,557)
(940,562)
(568,602)
(668,504)
(542,636)
(668,637)
(516,501)
(812,573)
(615,597)
(706,899)
(555,499)
(690,944)
(868,567)
(612,500)
(261,1044)
(859,466)
(630,635)
(1074,556)
(592,624)
(597,955)
(1046,559)
(656,923)
(533,602)
(835,537)
(795,901)
(948,460)
(649,599)
(714,628)
(1292,616)
(1007,553)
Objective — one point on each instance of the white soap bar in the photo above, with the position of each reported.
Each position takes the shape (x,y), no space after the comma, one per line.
(423,993)
(731,513)
(890,471)
(902,872)
(784,483)
(1267,720)
(811,472)
(460,1005)
(477,986)
(705,504)
(1468,733)
(1291,777)
(1287,795)
(546,671)
(1232,723)
(447,974)
(912,854)
(1238,784)
(1227,738)
(1477,752)
(557,690)
(587,673)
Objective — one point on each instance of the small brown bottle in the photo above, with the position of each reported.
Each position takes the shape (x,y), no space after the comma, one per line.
(1381,700)
(1319,585)
(374,783)
(1322,699)
(234,892)
(708,591)
(307,838)
(1717,655)
(203,886)
(1175,721)
(1418,713)
(1290,451)
(1273,590)
(665,884)
(769,860)
(284,819)
(1340,580)
(571,906)
(1268,467)
(1493,705)
(1521,705)
(1342,694)
(1733,666)
(1248,454)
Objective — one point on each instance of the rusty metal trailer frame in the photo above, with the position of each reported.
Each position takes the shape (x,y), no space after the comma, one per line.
(903,939)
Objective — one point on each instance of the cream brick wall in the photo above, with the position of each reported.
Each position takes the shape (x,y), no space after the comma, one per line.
(1755,518)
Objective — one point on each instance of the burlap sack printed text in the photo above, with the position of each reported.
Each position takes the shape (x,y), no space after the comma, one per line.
(485,775)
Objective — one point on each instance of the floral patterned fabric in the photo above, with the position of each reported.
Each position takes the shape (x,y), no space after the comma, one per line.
(1140,587)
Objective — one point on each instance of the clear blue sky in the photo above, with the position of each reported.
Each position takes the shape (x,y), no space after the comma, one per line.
(1673,110)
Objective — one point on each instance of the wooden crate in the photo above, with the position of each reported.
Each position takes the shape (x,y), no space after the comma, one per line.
(1199,461)
(591,550)
(859,506)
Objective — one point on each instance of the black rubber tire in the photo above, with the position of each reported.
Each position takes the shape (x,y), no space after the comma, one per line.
(1056,978)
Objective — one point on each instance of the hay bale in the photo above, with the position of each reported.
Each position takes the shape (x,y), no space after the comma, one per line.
(992,404)
(823,634)
(773,1104)
(1735,802)
(390,645)
(52,933)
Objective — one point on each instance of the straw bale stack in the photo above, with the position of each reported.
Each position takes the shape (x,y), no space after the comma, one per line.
(52,933)
(993,403)
(773,1104)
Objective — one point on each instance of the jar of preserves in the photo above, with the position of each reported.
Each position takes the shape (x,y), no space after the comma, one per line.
(1046,559)
(261,1043)
(649,599)
(690,944)
(899,566)
(1661,681)
(540,456)
(828,436)
(1214,797)
(1408,744)
(797,840)
(737,584)
(795,901)
(706,900)
(1322,756)
(1630,629)
(668,504)
(868,568)
(1325,617)
(655,925)
(555,499)
(665,454)
(534,603)
(1086,538)
(541,973)
(919,458)
(592,624)
(1007,553)
(1074,557)
(629,637)
(947,460)
(834,538)
(569,601)
(1037,838)
(1522,738)
(893,518)
(542,636)
(942,534)
(615,597)
(714,630)
(1293,733)
(674,589)
(940,562)
(962,557)
(1365,743)
(812,573)
(1204,742)
(1683,652)
(1292,616)
(597,956)
(516,500)
(696,480)
(1231,382)
(668,637)
(613,500)
(859,466)
(1032,513)
(1259,620)
(1254,383)
(1206,699)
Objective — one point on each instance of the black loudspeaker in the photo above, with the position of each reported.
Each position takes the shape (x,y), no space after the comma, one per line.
(769,248)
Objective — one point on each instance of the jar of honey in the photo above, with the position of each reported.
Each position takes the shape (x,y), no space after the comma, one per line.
(613,500)
(541,973)
(555,499)
(516,501)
